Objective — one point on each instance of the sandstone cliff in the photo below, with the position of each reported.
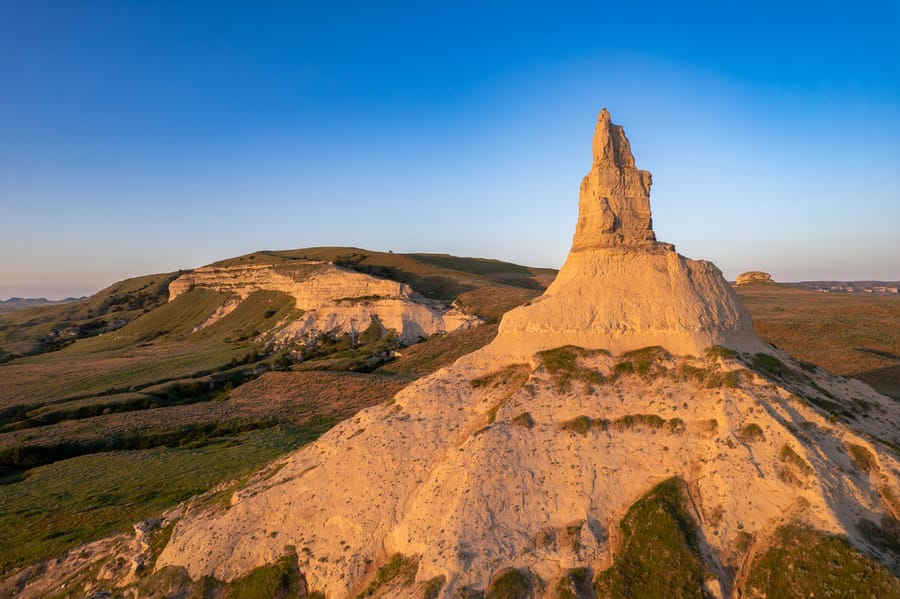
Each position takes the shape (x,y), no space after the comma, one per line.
(753,276)
(333,300)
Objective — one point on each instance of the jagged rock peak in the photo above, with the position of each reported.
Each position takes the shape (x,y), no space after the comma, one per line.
(614,203)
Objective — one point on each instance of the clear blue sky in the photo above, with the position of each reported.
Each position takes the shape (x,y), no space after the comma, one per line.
(147,136)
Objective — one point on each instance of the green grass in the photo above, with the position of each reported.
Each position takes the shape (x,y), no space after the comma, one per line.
(659,557)
(644,362)
(562,364)
(709,377)
(510,583)
(400,570)
(74,501)
(849,334)
(259,312)
(768,365)
(279,580)
(171,320)
(802,562)
(49,328)
(439,351)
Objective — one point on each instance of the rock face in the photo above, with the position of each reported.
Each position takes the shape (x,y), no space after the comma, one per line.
(754,276)
(619,288)
(333,300)
(614,203)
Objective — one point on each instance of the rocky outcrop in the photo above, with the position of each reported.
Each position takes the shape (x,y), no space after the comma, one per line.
(481,467)
(333,300)
(754,276)
(619,288)
(614,202)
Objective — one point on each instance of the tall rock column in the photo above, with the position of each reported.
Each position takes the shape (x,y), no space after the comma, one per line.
(614,203)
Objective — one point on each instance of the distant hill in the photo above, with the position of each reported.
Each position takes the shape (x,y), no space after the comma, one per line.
(20,303)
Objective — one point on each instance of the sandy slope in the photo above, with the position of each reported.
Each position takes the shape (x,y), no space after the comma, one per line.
(429,476)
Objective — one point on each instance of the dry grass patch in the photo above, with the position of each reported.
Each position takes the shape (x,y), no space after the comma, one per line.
(862,458)
(751,433)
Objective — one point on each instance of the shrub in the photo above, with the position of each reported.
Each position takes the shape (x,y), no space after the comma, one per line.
(743,541)
(400,570)
(509,584)
(579,424)
(675,426)
(600,424)
(623,368)
(750,433)
(862,458)
(562,364)
(789,456)
(632,421)
(524,419)
(571,535)
(433,587)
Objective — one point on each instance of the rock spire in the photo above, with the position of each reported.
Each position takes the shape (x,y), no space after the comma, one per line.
(614,203)
(620,289)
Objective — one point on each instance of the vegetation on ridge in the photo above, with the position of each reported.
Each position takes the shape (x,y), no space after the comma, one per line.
(660,553)
(510,583)
(802,562)
(400,570)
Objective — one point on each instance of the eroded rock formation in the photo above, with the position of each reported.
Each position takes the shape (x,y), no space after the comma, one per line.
(333,300)
(753,276)
(619,288)
(614,202)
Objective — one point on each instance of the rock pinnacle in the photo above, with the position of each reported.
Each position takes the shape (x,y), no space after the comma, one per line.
(614,203)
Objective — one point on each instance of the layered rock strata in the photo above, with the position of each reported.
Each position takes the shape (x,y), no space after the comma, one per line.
(333,300)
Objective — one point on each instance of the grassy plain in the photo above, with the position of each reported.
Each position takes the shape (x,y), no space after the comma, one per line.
(855,335)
